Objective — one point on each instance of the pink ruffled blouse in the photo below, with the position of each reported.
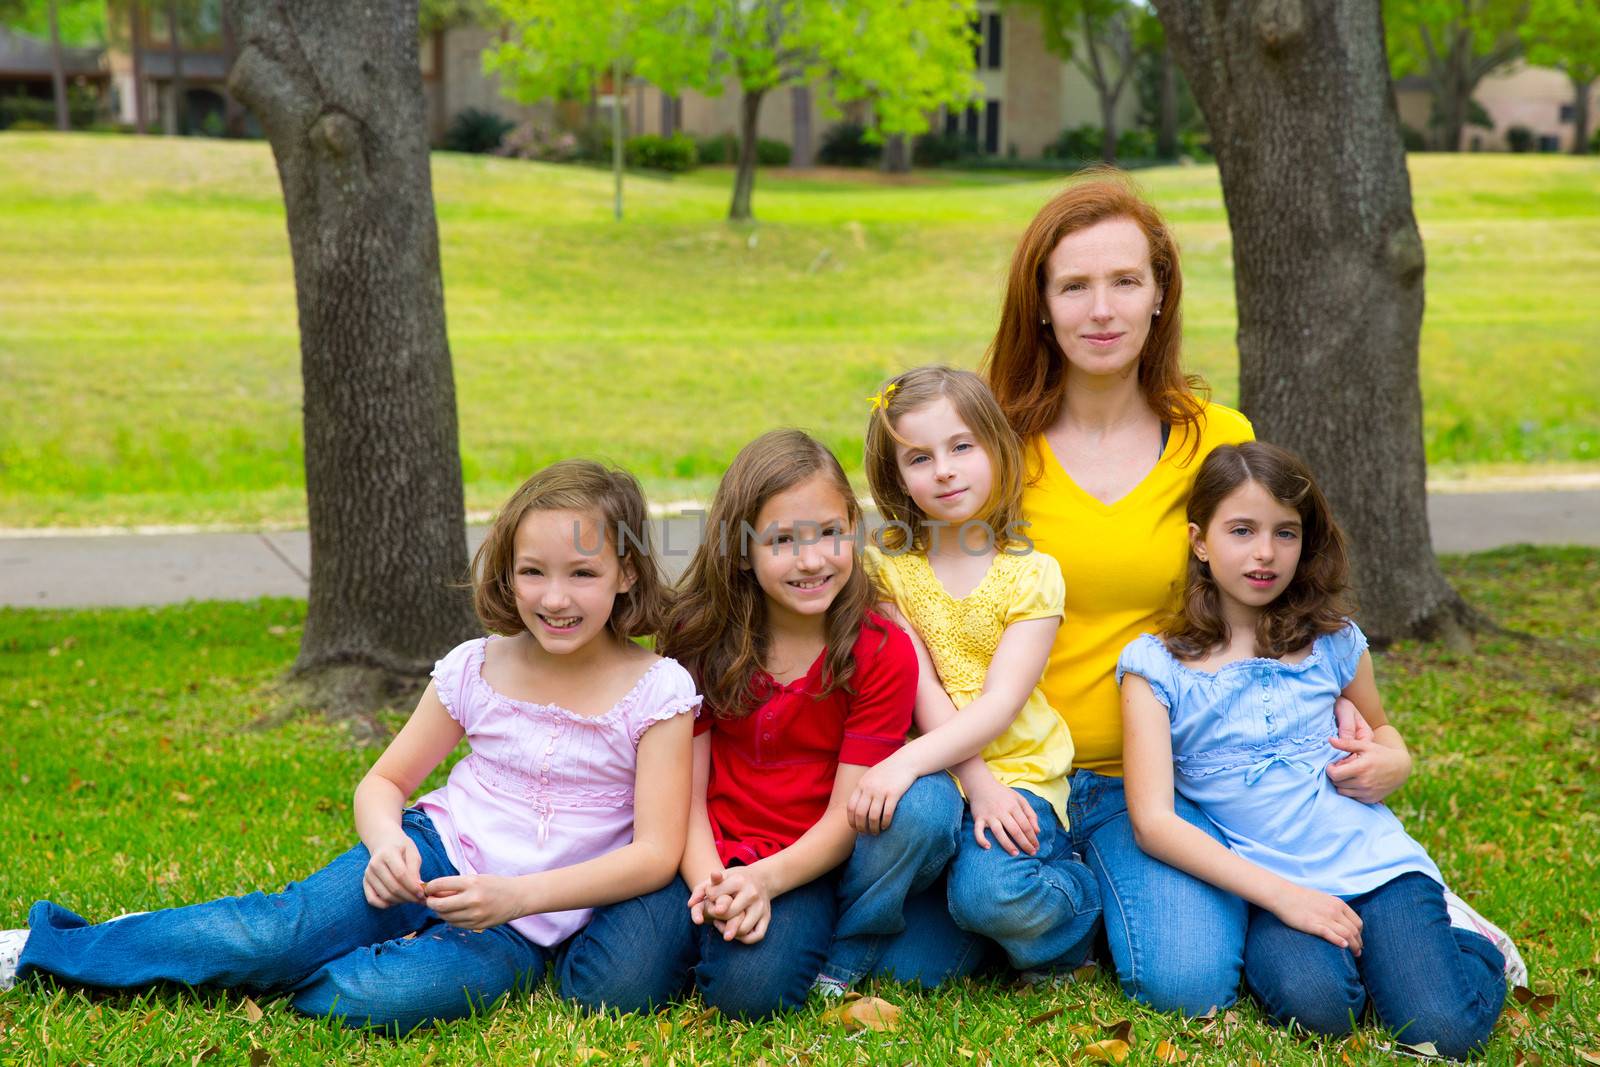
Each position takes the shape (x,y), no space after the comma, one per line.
(543,787)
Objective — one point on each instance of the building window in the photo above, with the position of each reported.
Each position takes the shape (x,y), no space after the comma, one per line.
(991,127)
(1549,142)
(986,41)
(1566,113)
(978,125)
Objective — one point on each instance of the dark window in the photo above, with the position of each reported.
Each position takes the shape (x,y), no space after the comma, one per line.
(1566,113)
(991,127)
(1549,142)
(992,24)
(952,122)
(977,41)
(972,125)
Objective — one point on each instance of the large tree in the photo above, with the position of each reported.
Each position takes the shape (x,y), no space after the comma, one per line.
(1565,34)
(338,91)
(1452,44)
(1328,272)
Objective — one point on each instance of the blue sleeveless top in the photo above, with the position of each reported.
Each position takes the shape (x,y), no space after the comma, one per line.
(1250,746)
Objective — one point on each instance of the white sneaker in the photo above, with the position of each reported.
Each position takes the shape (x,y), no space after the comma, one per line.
(828,987)
(1464,916)
(11,942)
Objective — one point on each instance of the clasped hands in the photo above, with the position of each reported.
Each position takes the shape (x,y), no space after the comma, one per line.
(469,901)
(737,901)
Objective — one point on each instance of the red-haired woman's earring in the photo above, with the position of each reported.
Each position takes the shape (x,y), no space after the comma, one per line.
(1044,322)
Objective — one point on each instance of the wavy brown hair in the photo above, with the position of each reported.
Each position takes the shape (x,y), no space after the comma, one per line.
(1317,600)
(1026,367)
(613,496)
(975,404)
(718,624)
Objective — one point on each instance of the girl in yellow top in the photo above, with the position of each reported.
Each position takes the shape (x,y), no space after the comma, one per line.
(1085,366)
(982,610)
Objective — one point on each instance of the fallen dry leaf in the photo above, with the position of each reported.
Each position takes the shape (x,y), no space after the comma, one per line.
(1589,1057)
(260,1057)
(1421,1048)
(864,1013)
(1108,1051)
(1536,1003)
(1044,1016)
(252,1010)
(1121,1030)
(1167,1052)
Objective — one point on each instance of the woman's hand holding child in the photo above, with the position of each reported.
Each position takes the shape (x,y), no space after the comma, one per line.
(1319,914)
(1372,769)
(738,901)
(394,873)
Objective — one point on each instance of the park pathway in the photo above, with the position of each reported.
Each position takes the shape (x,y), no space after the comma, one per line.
(122,569)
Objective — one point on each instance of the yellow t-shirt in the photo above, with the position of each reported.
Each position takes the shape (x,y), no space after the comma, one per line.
(1035,752)
(1126,562)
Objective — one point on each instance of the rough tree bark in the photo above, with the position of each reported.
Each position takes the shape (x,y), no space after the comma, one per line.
(1328,273)
(800,107)
(58,77)
(180,115)
(136,47)
(1580,115)
(338,91)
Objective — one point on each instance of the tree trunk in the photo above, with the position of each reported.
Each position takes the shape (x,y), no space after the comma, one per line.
(1453,97)
(1328,269)
(896,155)
(1580,115)
(175,50)
(1167,122)
(669,115)
(744,180)
(1108,126)
(338,91)
(232,113)
(439,119)
(136,46)
(58,73)
(801,155)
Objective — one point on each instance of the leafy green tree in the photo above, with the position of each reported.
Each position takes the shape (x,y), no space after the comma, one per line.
(1565,34)
(1452,44)
(906,56)
(64,22)
(1102,38)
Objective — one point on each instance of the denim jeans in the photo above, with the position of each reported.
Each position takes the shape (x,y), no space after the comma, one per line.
(318,941)
(640,954)
(1041,909)
(1177,942)
(1426,980)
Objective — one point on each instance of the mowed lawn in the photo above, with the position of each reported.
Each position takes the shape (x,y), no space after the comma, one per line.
(150,359)
(145,763)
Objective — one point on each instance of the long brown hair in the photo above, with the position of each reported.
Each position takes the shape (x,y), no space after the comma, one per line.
(1317,599)
(1026,367)
(614,497)
(975,404)
(718,626)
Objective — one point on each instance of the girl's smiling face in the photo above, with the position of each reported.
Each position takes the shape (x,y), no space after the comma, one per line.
(1252,546)
(1100,293)
(944,467)
(802,551)
(566,576)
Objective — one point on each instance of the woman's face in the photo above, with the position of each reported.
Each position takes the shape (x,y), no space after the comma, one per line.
(1100,296)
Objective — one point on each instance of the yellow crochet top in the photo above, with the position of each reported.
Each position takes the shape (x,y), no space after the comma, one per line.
(962,634)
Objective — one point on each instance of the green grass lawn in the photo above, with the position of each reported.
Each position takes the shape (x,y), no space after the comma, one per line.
(142,767)
(149,351)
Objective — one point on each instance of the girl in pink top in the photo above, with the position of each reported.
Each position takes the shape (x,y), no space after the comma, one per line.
(575,794)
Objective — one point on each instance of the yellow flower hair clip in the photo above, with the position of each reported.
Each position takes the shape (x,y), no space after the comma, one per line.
(880,400)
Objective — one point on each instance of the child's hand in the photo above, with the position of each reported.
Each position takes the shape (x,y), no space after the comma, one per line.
(475,901)
(1351,723)
(1007,813)
(394,873)
(872,804)
(702,895)
(1370,772)
(739,901)
(1321,915)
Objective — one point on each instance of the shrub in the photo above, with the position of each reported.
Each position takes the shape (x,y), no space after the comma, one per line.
(1594,142)
(1196,144)
(771,153)
(845,145)
(1078,142)
(654,152)
(932,149)
(1413,139)
(475,130)
(19,111)
(1136,144)
(1519,139)
(528,141)
(723,148)
(30,126)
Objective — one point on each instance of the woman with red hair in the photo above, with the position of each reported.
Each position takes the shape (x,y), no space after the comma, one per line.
(1085,367)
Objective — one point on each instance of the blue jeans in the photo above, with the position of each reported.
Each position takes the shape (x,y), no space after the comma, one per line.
(1041,909)
(1177,942)
(640,954)
(318,941)
(1426,980)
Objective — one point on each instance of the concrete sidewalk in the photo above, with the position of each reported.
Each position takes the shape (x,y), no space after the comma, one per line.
(119,569)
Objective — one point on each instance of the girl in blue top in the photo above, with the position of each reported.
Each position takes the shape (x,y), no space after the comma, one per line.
(1234,706)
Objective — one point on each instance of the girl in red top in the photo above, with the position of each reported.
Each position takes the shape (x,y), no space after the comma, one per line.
(805,688)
